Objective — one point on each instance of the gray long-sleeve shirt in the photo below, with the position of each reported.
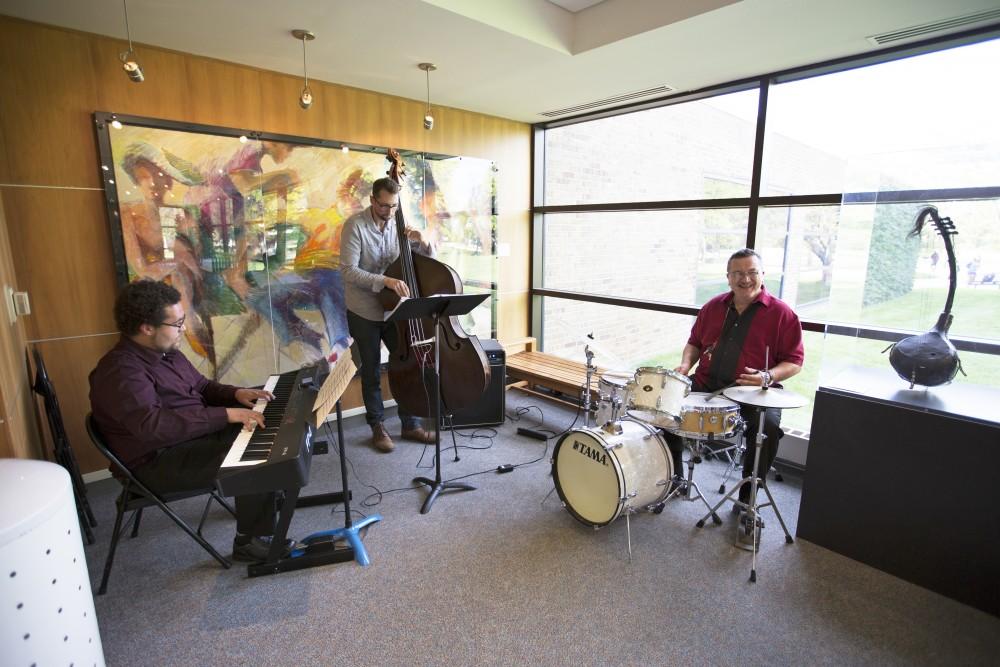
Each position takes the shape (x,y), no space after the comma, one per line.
(365,253)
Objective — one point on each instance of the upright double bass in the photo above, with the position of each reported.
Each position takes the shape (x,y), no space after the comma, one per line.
(465,372)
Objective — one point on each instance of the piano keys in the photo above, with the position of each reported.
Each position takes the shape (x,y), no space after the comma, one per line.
(276,456)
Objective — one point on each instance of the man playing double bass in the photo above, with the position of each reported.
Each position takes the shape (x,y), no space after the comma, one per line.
(748,337)
(369,245)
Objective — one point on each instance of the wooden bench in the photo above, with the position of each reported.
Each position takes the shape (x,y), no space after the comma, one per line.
(531,370)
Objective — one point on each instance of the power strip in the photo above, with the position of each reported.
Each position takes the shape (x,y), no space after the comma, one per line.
(531,433)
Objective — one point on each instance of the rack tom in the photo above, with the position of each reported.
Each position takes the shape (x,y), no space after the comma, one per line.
(614,390)
(658,396)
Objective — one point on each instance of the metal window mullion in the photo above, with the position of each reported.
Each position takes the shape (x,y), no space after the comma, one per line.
(758,162)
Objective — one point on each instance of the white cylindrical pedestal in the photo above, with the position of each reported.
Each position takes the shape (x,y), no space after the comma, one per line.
(46,605)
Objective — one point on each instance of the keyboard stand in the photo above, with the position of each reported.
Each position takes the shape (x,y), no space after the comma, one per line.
(318,548)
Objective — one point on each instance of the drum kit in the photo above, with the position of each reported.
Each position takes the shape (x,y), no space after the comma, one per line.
(623,465)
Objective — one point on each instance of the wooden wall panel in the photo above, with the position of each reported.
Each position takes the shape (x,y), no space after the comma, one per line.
(62,251)
(48,89)
(222,94)
(279,105)
(18,433)
(69,362)
(166,93)
(514,309)
(51,82)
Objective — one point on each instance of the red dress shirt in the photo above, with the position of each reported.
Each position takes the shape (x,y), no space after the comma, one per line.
(775,326)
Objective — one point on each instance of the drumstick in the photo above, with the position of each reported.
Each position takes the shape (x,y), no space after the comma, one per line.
(719,391)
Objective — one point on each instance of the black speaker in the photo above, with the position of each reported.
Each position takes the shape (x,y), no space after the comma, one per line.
(490,410)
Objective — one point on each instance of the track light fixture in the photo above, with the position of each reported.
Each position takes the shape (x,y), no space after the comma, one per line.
(129,62)
(306,96)
(428,116)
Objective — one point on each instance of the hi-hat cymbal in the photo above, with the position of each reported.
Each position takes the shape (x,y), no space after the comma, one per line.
(765,398)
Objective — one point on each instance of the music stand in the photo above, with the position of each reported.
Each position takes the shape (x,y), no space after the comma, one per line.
(435,307)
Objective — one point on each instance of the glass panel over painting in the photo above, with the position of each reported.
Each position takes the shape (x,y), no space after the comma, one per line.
(681,151)
(665,256)
(249,233)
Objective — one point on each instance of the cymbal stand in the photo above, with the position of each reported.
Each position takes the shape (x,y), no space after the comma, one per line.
(752,508)
(685,486)
(586,389)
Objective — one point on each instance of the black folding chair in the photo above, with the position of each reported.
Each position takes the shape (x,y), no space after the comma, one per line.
(61,450)
(136,496)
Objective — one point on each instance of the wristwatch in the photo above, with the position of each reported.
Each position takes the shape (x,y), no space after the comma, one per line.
(767,379)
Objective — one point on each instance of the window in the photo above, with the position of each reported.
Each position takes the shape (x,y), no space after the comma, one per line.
(853,154)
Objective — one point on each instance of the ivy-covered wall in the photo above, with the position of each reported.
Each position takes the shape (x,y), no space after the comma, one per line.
(893,254)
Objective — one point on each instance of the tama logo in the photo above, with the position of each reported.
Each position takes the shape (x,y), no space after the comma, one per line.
(590,452)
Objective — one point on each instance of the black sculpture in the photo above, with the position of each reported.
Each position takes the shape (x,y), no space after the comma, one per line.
(930,359)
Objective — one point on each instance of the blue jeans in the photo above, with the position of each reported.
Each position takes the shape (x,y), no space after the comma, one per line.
(367,336)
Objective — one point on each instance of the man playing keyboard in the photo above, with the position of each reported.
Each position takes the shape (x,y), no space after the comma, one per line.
(171,426)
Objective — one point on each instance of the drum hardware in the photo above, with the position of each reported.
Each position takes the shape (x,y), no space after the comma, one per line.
(586,389)
(614,389)
(614,428)
(684,486)
(760,398)
(735,452)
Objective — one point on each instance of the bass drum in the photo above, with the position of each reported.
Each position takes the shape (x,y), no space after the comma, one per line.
(600,474)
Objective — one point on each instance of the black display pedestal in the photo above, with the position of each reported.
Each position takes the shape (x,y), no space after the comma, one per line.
(904,480)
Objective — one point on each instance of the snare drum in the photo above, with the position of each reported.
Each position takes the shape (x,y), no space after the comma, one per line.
(658,396)
(613,390)
(703,417)
(599,475)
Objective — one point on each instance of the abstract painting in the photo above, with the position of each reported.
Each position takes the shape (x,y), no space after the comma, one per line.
(247,228)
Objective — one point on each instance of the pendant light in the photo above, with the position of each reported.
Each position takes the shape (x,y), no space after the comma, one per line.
(428,116)
(129,62)
(306,96)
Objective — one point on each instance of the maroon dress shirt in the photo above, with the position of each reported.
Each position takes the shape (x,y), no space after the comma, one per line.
(144,400)
(775,329)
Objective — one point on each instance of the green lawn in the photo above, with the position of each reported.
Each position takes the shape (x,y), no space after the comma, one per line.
(977,309)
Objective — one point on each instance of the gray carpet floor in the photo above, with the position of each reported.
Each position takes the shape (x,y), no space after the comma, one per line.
(503,575)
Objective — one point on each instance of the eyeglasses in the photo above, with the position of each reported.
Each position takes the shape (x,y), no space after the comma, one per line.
(382,206)
(740,275)
(177,325)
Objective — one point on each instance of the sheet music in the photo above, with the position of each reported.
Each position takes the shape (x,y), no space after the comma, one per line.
(334,387)
(389,313)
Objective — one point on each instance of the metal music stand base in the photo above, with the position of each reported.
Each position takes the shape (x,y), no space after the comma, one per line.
(435,307)
(752,508)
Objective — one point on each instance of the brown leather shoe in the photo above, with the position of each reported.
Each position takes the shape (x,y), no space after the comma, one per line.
(380,438)
(418,435)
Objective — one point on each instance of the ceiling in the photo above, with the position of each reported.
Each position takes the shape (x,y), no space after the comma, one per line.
(509,58)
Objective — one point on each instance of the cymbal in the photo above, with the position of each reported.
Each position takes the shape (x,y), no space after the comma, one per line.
(765,398)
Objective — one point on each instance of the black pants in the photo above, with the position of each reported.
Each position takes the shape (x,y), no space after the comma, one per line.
(193,465)
(768,451)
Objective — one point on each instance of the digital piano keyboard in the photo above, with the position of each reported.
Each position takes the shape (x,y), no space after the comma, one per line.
(276,456)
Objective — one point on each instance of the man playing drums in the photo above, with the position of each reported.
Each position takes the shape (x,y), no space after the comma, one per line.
(745,337)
